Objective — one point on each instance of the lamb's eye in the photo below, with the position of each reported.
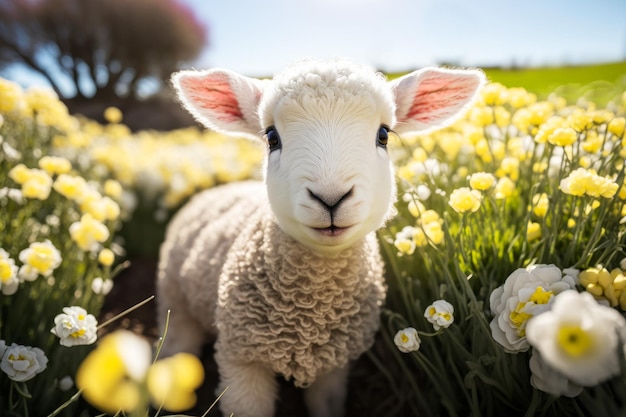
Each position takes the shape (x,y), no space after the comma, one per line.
(383,136)
(273,138)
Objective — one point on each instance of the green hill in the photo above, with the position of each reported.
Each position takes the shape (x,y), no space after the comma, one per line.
(545,80)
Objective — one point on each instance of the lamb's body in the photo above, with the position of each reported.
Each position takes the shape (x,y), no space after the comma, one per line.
(301,314)
(287,273)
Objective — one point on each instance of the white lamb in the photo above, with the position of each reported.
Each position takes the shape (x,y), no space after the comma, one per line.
(287,273)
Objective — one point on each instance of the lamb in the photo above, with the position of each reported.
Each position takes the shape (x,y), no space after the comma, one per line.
(286,274)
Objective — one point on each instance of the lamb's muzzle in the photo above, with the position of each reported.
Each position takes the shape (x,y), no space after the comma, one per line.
(287,273)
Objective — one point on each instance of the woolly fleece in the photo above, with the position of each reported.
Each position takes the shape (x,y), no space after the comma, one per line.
(273,300)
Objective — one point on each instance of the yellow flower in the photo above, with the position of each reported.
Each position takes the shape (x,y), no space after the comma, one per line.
(39,258)
(580,120)
(533,231)
(113,115)
(540,112)
(404,245)
(11,96)
(9,280)
(434,232)
(19,173)
(106,257)
(429,216)
(602,116)
(113,189)
(616,126)
(592,142)
(563,136)
(494,94)
(38,185)
(583,181)
(88,232)
(482,181)
(481,116)
(101,208)
(540,204)
(509,167)
(172,382)
(47,108)
(419,155)
(110,376)
(504,188)
(464,200)
(419,237)
(35,183)
(483,151)
(71,187)
(55,165)
(518,97)
(502,116)
(416,208)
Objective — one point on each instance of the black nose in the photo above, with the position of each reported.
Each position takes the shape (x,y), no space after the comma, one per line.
(330,202)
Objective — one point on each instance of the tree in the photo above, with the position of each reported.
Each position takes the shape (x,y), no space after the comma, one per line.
(101,49)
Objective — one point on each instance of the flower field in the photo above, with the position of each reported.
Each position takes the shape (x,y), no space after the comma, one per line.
(505,262)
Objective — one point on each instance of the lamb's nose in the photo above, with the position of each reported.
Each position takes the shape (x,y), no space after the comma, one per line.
(329,201)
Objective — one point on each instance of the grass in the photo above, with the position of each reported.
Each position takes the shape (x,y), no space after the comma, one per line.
(543,81)
(596,82)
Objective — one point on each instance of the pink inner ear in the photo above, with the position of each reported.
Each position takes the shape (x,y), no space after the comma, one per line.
(213,93)
(439,96)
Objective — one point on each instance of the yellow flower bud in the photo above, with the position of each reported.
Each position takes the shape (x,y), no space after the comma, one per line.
(619,282)
(589,276)
(594,289)
(616,126)
(609,294)
(482,181)
(604,278)
(622,301)
(113,115)
(106,257)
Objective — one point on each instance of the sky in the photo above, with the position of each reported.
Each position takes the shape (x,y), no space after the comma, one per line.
(258,37)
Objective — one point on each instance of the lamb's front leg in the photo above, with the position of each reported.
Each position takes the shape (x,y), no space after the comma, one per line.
(251,388)
(326,397)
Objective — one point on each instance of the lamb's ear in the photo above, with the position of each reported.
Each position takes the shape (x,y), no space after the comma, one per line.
(221,99)
(433,97)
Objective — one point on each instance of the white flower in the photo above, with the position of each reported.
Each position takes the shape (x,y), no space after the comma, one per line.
(9,280)
(579,338)
(423,192)
(66,383)
(440,314)
(21,363)
(548,379)
(526,293)
(407,340)
(75,327)
(101,286)
(14,194)
(39,258)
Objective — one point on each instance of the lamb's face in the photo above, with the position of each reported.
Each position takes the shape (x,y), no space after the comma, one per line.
(328,174)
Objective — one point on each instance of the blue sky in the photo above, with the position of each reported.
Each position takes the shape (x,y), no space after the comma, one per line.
(259,37)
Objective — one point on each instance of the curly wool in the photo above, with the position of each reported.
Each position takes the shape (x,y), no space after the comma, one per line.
(300,313)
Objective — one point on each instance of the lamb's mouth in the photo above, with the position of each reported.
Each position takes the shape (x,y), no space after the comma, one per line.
(331,231)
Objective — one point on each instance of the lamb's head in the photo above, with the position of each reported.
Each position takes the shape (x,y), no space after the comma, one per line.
(326,124)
